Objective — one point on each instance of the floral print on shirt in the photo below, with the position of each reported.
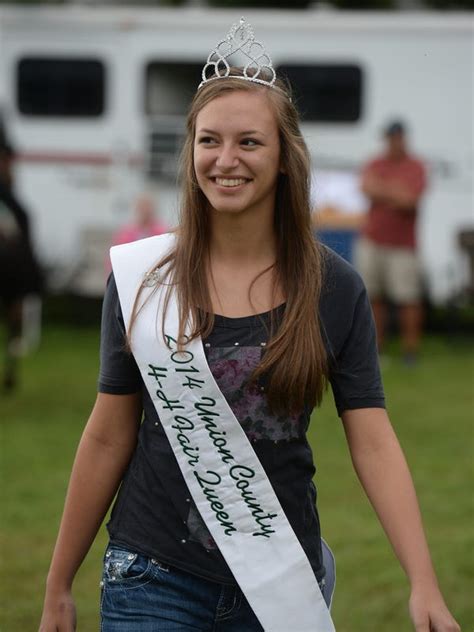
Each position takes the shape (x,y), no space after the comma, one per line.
(232,368)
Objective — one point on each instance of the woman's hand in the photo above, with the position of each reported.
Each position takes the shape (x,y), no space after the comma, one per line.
(429,613)
(59,612)
(383,472)
(104,452)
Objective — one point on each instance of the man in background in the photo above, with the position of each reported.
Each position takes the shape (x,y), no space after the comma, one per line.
(386,254)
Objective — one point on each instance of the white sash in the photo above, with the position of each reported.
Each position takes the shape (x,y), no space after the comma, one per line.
(223,473)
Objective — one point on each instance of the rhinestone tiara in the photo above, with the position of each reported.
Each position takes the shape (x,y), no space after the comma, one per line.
(239,39)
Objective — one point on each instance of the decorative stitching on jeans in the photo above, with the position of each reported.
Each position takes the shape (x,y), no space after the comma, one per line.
(102,596)
(116,565)
(161,565)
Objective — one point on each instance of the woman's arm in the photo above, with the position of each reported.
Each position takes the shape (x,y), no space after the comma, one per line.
(104,452)
(383,472)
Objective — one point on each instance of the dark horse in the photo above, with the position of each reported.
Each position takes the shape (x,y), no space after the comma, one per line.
(19,272)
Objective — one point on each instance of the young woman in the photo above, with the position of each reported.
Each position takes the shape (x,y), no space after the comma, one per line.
(279,316)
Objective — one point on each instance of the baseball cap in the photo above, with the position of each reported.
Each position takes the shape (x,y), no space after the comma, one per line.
(394,127)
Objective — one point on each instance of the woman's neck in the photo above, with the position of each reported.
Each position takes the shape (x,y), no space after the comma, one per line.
(241,240)
(241,265)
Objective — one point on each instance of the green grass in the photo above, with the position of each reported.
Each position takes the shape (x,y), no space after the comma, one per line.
(431,407)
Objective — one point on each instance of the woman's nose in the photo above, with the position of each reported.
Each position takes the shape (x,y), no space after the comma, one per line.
(227,157)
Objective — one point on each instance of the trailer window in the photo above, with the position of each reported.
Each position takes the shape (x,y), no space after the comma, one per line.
(326,92)
(48,86)
(170,86)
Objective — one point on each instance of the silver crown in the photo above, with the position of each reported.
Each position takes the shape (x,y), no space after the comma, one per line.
(239,39)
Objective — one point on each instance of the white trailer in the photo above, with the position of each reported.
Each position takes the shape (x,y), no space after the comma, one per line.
(94,100)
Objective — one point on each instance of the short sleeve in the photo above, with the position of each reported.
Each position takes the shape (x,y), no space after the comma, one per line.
(118,374)
(419,181)
(349,332)
(355,379)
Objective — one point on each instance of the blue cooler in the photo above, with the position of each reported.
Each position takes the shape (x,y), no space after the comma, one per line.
(340,240)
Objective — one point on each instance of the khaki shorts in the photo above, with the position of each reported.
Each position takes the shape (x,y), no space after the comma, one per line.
(389,272)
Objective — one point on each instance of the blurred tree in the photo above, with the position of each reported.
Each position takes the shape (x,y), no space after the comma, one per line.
(172,3)
(365,4)
(450,4)
(303,4)
(33,2)
(265,4)
(277,4)
(346,4)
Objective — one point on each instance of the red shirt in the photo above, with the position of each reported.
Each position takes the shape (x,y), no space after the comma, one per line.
(386,224)
(133,232)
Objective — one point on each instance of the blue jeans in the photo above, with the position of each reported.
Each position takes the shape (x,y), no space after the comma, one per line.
(140,594)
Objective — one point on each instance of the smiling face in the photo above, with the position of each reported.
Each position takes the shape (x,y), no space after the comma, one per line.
(237,152)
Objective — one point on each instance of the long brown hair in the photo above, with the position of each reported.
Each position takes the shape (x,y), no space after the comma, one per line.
(295,358)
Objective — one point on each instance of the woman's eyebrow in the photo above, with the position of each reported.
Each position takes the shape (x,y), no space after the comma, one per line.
(252,131)
(249,132)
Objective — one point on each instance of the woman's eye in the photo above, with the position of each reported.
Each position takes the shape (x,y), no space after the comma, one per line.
(206,140)
(249,142)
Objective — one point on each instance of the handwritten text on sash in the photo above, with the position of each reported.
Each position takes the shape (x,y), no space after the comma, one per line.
(205,409)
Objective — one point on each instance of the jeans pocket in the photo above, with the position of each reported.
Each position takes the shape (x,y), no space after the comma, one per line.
(124,567)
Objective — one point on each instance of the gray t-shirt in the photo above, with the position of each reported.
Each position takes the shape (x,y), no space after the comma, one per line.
(154,513)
